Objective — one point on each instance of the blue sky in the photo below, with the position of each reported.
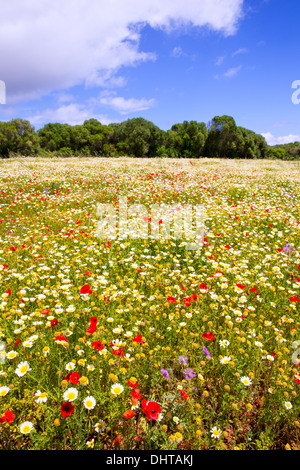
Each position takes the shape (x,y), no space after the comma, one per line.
(164,61)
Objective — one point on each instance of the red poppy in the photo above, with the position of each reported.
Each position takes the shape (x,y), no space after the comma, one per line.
(203,286)
(118,352)
(61,338)
(138,339)
(45,312)
(91,329)
(194,297)
(67,377)
(187,301)
(294,298)
(54,322)
(128,414)
(297,379)
(151,409)
(97,345)
(8,291)
(228,247)
(135,393)
(182,287)
(4,266)
(184,395)
(86,289)
(8,417)
(17,342)
(208,336)
(132,384)
(171,299)
(66,409)
(13,248)
(74,378)
(253,289)
(240,286)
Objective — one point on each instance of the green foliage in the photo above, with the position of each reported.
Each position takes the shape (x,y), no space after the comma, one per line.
(285,151)
(227,140)
(140,138)
(17,136)
(188,139)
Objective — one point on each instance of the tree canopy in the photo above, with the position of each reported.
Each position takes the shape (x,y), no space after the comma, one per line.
(140,138)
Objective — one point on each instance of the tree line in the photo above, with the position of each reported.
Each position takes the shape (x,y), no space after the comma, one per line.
(140,138)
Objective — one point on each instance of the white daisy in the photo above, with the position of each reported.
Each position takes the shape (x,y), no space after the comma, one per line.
(22,368)
(116,389)
(215,432)
(26,427)
(42,396)
(89,402)
(4,391)
(246,380)
(225,360)
(70,394)
(11,354)
(100,426)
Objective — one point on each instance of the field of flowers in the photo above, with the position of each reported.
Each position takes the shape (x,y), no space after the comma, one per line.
(140,343)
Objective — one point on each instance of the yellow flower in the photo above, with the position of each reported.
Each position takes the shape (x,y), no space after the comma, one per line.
(113,377)
(178,437)
(84,380)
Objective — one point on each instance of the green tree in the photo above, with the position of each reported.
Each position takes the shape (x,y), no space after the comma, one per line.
(54,136)
(187,138)
(18,136)
(137,137)
(99,136)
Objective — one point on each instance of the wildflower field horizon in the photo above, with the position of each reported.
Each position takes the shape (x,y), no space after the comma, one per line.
(139,342)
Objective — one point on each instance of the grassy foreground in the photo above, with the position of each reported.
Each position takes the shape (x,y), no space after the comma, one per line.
(140,343)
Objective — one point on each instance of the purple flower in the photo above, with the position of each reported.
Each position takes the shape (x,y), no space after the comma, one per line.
(183,360)
(287,247)
(206,352)
(165,373)
(189,374)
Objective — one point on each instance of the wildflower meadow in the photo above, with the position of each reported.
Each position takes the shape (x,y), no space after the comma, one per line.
(138,343)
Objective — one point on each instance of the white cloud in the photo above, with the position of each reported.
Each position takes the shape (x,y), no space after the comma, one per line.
(242,50)
(51,45)
(72,114)
(126,106)
(220,60)
(232,72)
(177,52)
(272,140)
